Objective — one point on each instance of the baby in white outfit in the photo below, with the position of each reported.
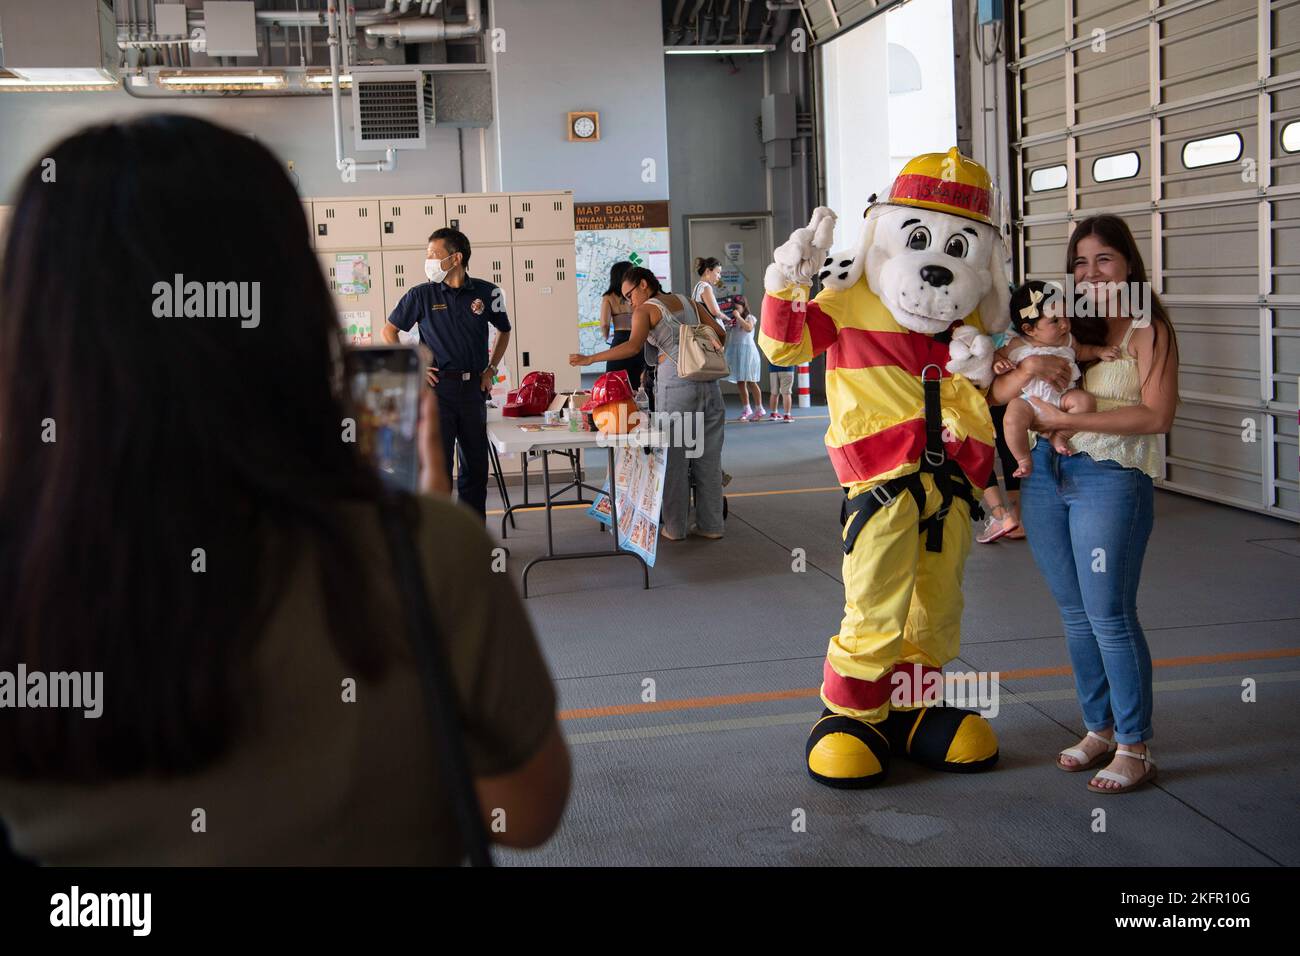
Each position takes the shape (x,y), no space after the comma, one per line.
(1043,330)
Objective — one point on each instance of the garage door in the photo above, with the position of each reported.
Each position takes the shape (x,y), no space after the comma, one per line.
(1182,116)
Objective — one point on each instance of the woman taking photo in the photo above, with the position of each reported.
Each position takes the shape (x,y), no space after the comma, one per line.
(656,318)
(1088,515)
(615,312)
(204,533)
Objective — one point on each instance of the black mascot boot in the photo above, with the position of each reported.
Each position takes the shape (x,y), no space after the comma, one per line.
(846,752)
(942,738)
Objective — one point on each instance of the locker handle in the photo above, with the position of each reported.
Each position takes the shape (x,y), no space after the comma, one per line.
(454,223)
(526,362)
(322,229)
(519,222)
(388,227)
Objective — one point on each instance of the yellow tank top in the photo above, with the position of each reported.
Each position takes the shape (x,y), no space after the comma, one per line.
(1115,385)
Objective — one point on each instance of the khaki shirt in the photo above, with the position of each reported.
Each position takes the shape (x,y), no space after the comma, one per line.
(316,780)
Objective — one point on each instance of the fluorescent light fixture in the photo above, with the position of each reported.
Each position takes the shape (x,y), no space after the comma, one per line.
(70,78)
(719,50)
(223,79)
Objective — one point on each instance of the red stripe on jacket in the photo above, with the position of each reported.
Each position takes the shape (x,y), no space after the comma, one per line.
(887,449)
(910,351)
(784,323)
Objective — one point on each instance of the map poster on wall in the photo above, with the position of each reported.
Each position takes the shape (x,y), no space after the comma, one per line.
(606,232)
(640,476)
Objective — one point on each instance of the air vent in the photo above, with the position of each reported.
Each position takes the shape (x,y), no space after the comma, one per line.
(388,110)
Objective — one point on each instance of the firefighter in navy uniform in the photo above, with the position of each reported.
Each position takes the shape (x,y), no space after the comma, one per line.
(453,310)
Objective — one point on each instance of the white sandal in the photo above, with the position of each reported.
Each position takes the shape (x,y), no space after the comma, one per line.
(1148,774)
(1084,762)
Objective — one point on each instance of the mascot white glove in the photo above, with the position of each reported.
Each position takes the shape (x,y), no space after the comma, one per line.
(971,354)
(800,258)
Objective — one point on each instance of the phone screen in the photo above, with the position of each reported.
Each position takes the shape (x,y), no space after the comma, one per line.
(385,383)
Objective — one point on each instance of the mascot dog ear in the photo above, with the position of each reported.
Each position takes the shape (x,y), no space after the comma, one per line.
(996,305)
(842,269)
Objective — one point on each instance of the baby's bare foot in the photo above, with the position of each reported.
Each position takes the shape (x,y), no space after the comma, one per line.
(1026,467)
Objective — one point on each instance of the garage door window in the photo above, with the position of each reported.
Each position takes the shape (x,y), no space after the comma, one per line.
(1049,177)
(1291,137)
(1120,166)
(1212,151)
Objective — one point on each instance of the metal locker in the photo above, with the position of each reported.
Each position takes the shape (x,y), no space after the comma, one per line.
(541,218)
(361,311)
(483,219)
(403,271)
(546,303)
(346,224)
(409,220)
(494,264)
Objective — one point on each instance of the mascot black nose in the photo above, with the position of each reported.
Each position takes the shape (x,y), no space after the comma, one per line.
(936,275)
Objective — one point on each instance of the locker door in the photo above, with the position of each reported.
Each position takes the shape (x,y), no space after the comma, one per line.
(546,306)
(547,218)
(403,270)
(494,264)
(408,220)
(483,219)
(346,224)
(360,312)
(311,229)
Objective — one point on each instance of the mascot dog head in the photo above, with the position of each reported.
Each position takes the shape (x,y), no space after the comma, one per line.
(930,251)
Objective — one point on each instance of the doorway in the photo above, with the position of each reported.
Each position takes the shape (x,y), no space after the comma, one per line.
(742,242)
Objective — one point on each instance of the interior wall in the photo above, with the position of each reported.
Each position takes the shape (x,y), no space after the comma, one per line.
(294,128)
(715,157)
(569,55)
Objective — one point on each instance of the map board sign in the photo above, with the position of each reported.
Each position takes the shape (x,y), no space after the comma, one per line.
(606,232)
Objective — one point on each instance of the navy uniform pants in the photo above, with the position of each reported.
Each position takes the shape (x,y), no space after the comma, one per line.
(462,416)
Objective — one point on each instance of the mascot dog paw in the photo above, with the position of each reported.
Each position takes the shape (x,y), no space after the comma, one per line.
(903,320)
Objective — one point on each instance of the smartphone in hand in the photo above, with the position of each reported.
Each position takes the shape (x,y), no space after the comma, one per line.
(384,381)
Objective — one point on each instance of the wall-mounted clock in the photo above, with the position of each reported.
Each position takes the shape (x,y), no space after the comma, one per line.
(584,127)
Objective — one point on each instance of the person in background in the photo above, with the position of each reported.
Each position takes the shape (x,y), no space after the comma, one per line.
(1097,503)
(782,382)
(224,543)
(656,332)
(616,313)
(453,310)
(746,362)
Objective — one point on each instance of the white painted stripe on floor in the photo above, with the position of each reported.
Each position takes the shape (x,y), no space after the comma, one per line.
(809,717)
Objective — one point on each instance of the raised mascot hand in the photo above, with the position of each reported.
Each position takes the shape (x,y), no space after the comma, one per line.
(800,258)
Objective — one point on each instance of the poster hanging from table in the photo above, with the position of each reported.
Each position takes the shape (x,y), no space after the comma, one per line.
(640,481)
(605,233)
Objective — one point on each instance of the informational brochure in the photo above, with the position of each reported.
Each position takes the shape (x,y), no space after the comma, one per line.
(639,474)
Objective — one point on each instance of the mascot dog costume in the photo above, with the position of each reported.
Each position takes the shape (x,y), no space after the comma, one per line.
(902,321)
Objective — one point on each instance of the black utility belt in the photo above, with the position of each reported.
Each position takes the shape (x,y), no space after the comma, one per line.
(951,483)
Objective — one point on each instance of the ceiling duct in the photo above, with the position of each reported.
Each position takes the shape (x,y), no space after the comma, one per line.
(388,109)
(59,41)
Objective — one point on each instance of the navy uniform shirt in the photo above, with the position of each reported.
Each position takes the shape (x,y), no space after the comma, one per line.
(454,322)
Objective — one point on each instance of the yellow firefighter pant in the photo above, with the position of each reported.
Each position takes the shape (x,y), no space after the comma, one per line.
(902,603)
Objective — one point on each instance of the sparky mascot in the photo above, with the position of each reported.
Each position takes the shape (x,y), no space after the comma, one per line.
(902,321)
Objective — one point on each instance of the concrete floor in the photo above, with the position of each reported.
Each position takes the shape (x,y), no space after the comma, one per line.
(713,773)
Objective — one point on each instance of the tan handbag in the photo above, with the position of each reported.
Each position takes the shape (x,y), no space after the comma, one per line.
(700,356)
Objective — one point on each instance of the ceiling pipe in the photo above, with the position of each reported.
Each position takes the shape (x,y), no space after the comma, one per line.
(723,17)
(340,162)
(675,28)
(741,20)
(426,30)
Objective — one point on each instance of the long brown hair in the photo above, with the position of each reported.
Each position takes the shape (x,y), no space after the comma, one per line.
(129,440)
(1114,232)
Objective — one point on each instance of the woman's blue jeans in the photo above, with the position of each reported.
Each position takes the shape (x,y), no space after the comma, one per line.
(1088,523)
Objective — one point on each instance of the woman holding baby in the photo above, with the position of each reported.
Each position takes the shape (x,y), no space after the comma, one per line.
(1086,490)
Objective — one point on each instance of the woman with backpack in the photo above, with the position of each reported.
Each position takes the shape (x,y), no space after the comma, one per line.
(691,410)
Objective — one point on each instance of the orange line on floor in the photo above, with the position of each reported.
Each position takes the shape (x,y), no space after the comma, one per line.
(695,703)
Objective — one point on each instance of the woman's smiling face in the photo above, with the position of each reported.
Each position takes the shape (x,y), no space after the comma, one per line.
(1097,264)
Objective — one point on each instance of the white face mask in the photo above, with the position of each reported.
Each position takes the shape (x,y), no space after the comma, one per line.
(434,270)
